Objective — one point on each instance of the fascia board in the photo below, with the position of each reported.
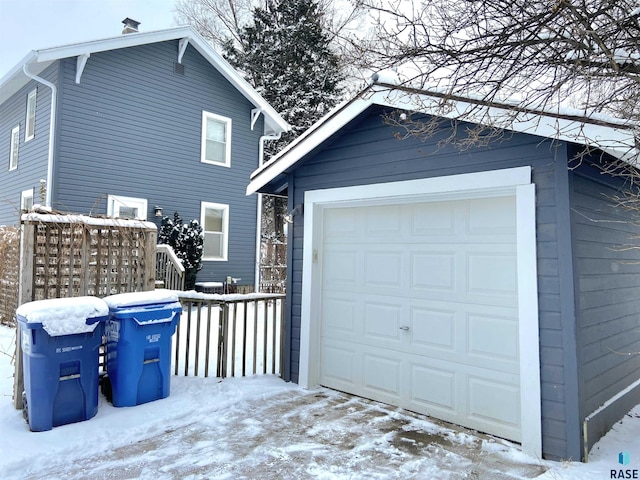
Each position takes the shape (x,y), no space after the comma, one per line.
(40,59)
(306,142)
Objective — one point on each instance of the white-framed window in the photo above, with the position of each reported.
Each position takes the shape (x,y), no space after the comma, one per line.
(26,199)
(127,207)
(216,139)
(15,143)
(30,121)
(214,218)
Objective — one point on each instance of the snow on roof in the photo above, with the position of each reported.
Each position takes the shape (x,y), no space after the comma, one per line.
(64,316)
(611,135)
(38,60)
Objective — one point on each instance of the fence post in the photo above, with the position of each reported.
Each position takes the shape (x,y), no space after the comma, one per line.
(222,340)
(25,294)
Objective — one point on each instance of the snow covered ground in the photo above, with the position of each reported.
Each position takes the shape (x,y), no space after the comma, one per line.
(262,427)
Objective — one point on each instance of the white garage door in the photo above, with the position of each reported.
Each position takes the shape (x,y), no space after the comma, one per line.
(419,308)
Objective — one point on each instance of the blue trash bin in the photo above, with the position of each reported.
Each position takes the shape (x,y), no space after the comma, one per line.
(61,341)
(138,345)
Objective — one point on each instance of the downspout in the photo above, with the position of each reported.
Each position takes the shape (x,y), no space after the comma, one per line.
(52,127)
(263,139)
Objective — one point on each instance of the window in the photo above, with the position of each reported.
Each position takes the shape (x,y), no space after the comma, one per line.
(30,122)
(216,139)
(15,143)
(26,199)
(214,218)
(127,207)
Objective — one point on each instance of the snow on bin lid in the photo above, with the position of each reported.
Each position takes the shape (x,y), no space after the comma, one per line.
(64,316)
(137,299)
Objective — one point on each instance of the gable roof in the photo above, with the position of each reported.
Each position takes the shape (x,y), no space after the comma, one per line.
(37,60)
(613,136)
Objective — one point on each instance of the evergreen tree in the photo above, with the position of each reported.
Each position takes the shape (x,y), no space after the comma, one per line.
(187,242)
(287,58)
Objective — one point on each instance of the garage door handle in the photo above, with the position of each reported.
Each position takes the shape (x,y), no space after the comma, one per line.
(404,327)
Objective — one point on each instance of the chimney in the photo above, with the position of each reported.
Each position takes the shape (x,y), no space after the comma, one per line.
(130,26)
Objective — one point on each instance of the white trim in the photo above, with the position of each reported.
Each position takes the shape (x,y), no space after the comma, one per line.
(24,195)
(227,142)
(115,202)
(529,333)
(225,229)
(40,59)
(513,181)
(14,148)
(81,62)
(617,140)
(32,97)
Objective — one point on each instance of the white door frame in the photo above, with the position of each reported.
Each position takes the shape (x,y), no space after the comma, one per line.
(513,182)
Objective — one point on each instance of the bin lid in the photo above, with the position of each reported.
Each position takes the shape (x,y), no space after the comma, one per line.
(140,299)
(64,316)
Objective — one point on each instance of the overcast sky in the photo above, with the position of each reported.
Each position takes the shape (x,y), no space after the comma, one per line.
(27,25)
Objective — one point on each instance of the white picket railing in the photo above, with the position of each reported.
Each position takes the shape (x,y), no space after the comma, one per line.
(169,269)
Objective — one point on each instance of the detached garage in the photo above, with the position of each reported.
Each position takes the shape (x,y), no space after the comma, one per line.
(463,284)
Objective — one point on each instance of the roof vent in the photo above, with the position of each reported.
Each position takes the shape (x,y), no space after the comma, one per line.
(130,26)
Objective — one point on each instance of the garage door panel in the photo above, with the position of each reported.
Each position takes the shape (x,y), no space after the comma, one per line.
(383,268)
(423,266)
(433,328)
(342,270)
(492,274)
(492,216)
(433,218)
(424,297)
(495,403)
(339,315)
(340,365)
(494,338)
(382,376)
(432,389)
(382,321)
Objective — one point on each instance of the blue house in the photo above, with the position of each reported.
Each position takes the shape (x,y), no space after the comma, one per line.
(490,286)
(134,125)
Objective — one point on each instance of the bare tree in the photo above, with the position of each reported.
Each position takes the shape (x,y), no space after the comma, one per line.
(576,58)
(542,52)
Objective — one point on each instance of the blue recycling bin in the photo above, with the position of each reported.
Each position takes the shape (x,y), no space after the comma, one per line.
(138,345)
(61,341)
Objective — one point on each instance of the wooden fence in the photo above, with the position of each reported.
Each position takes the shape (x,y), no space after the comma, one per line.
(229,335)
(75,255)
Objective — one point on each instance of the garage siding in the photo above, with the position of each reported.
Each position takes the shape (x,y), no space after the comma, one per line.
(608,296)
(367,152)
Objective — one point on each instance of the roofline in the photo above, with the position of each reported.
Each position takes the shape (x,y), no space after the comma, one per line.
(619,141)
(40,59)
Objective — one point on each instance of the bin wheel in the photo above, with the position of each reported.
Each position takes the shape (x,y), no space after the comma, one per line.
(106,389)
(25,407)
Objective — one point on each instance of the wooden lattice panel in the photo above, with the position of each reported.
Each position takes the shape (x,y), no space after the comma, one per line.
(74,255)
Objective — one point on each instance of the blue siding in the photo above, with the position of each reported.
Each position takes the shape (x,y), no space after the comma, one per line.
(608,294)
(367,152)
(32,155)
(132,128)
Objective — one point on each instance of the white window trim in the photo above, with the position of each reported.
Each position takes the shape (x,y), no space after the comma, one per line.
(31,97)
(514,181)
(24,195)
(225,229)
(13,154)
(114,202)
(203,140)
